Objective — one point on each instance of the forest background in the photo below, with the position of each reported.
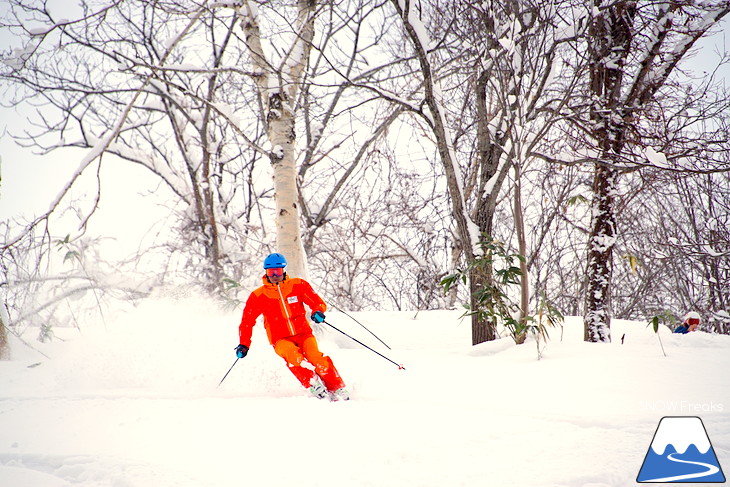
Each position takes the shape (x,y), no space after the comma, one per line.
(568,157)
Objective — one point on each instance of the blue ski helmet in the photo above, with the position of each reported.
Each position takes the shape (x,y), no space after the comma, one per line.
(274,261)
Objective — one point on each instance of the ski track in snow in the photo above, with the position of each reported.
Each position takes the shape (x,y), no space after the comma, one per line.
(137,405)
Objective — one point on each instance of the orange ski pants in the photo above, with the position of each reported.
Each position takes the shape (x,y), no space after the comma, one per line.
(299,348)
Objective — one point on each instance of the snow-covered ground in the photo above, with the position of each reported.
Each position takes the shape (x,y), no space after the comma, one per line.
(135,403)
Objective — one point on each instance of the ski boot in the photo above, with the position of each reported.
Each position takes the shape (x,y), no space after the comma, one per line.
(317,389)
(340,394)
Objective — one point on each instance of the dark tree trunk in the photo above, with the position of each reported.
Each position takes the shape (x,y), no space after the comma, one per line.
(610,36)
(482,330)
(600,257)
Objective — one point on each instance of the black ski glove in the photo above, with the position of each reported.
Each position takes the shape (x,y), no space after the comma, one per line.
(241,351)
(318,317)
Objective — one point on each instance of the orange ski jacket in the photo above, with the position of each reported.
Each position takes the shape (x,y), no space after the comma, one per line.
(282,307)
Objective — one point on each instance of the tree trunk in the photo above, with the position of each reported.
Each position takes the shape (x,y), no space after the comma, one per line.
(4,344)
(492,170)
(600,257)
(611,36)
(288,234)
(522,244)
(482,330)
(278,85)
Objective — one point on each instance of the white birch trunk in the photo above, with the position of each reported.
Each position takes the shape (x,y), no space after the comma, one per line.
(288,233)
(278,87)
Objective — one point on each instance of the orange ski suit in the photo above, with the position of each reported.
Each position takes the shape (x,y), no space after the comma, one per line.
(288,330)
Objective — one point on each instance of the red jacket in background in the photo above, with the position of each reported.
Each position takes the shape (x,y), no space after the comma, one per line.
(282,307)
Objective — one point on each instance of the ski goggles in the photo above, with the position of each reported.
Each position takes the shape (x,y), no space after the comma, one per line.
(694,321)
(275,272)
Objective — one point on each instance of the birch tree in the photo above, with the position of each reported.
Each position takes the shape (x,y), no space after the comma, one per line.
(279,75)
(181,84)
(114,86)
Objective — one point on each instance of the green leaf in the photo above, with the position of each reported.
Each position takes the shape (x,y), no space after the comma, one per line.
(633,262)
(655,324)
(65,241)
(577,199)
(230,283)
(71,255)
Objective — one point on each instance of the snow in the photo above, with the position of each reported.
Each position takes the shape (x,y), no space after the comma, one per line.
(278,151)
(228,112)
(507,44)
(137,404)
(38,31)
(224,3)
(656,158)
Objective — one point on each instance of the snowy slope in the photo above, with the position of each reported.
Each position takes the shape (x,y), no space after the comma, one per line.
(135,404)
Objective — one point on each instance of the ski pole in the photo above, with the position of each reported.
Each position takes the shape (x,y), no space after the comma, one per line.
(229,371)
(373,334)
(361,343)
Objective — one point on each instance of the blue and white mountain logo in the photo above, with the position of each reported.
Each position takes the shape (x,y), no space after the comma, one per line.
(681,452)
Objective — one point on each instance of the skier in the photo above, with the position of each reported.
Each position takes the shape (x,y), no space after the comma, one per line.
(281,300)
(690,323)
